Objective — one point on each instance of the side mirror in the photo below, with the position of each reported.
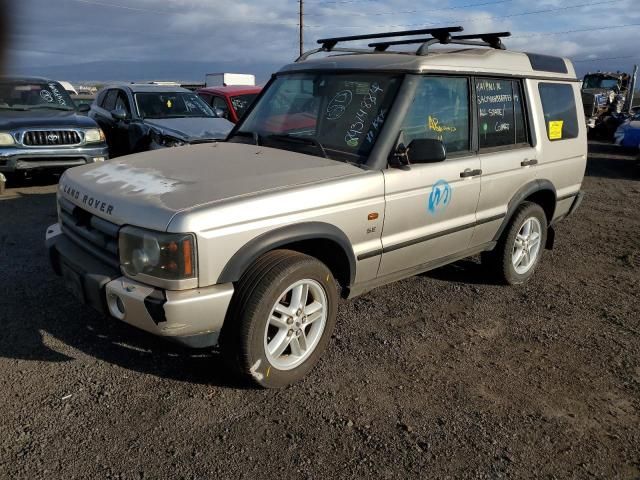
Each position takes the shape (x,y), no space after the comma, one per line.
(119,114)
(84,108)
(426,150)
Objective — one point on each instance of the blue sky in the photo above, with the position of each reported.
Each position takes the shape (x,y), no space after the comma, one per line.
(259,34)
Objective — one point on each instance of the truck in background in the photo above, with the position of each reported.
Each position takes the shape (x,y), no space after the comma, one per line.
(227,79)
(607,98)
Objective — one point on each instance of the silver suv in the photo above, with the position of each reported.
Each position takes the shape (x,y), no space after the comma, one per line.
(349,172)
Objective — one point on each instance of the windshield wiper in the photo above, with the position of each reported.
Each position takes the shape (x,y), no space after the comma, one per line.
(296,139)
(20,109)
(50,107)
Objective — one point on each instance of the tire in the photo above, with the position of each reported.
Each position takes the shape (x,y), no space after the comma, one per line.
(504,259)
(263,315)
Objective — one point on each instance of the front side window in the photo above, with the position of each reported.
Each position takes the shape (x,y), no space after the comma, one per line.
(122,103)
(440,110)
(25,95)
(559,107)
(109,101)
(338,115)
(501,119)
(171,105)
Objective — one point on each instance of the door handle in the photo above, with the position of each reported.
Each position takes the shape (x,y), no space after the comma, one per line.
(470,173)
(527,163)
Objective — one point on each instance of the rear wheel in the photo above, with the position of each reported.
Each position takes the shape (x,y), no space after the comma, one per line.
(518,252)
(281,318)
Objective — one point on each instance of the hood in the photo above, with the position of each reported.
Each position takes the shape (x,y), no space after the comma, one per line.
(192,129)
(628,134)
(149,188)
(53,119)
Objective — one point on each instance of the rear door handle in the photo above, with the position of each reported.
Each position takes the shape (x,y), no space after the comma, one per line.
(470,173)
(527,163)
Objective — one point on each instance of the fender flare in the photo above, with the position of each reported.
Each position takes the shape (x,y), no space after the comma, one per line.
(525,191)
(278,237)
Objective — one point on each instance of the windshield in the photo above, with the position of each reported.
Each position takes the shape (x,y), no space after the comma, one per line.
(172,105)
(17,95)
(242,102)
(600,82)
(327,114)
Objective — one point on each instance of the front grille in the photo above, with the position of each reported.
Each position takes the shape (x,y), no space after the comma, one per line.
(39,138)
(94,234)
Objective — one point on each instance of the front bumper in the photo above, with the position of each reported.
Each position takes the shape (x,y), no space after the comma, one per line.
(13,159)
(192,318)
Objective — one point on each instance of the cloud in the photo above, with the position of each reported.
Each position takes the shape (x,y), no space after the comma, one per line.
(69,32)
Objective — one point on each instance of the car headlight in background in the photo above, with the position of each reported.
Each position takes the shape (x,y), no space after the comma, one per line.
(166,140)
(93,135)
(6,139)
(166,256)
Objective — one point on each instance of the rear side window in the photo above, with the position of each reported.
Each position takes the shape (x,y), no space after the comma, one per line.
(440,110)
(501,119)
(559,107)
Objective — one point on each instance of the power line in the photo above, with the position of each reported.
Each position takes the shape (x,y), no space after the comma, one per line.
(471,19)
(484,4)
(604,59)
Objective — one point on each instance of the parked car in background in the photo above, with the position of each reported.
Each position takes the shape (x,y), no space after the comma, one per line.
(628,134)
(233,101)
(42,128)
(139,117)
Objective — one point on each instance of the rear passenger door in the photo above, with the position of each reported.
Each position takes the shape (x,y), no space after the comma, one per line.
(507,157)
(431,208)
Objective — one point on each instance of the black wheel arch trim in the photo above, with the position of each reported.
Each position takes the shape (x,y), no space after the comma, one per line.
(524,192)
(282,236)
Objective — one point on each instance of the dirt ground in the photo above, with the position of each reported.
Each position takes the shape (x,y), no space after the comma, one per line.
(439,376)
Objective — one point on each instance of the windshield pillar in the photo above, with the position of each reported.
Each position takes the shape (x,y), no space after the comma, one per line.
(379,156)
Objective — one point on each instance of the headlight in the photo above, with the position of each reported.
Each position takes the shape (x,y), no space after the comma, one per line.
(6,139)
(166,141)
(93,135)
(165,256)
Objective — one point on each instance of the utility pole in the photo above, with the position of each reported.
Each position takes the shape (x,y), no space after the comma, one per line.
(301,27)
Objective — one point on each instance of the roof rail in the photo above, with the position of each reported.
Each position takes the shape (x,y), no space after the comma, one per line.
(329,44)
(493,40)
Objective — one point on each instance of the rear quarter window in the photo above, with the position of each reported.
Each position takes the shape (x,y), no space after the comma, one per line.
(559,108)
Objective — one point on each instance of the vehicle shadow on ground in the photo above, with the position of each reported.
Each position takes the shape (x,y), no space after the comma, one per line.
(469,271)
(41,321)
(611,161)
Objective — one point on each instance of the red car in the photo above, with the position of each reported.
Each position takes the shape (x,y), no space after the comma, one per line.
(232,100)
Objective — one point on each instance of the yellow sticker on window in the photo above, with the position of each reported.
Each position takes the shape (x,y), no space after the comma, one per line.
(555,130)
(169,104)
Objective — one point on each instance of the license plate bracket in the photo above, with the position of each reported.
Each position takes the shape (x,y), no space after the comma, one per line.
(73,282)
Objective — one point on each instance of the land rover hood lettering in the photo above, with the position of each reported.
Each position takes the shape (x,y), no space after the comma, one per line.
(86,200)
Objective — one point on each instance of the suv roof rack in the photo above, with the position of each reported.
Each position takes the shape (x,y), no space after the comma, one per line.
(438,36)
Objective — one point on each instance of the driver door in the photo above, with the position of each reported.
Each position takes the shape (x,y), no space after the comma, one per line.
(431,208)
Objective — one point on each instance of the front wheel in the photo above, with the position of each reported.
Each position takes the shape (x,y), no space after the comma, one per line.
(281,318)
(518,252)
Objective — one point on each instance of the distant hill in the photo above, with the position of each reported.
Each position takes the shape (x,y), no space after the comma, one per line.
(145,71)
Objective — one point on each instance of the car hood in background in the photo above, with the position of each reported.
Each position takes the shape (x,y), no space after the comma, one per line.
(41,118)
(192,129)
(148,189)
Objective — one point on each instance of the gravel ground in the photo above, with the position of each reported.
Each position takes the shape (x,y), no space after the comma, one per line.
(441,375)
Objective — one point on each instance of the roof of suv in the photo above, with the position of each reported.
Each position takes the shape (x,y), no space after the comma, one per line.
(460,60)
